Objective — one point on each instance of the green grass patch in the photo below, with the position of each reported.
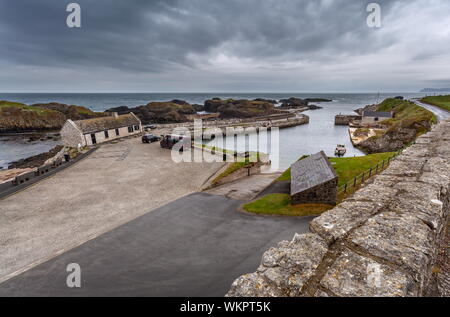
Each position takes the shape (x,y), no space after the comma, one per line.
(346,168)
(5,105)
(438,101)
(407,115)
(280,205)
(235,166)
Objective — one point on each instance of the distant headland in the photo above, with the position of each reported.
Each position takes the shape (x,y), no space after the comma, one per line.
(435,90)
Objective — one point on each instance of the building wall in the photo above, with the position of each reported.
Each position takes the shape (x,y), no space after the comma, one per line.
(100,136)
(323,194)
(372,119)
(71,136)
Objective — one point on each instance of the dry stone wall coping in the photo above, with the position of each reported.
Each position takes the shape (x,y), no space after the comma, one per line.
(382,241)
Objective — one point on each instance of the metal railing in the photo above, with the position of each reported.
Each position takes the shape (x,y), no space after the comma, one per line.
(357,182)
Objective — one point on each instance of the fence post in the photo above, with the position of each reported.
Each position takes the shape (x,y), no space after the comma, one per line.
(354,183)
(377,168)
(362,180)
(345,188)
(370,173)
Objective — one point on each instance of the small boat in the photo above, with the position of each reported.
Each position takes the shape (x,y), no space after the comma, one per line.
(340,150)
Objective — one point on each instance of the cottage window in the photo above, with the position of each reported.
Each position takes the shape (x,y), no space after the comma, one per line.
(117,132)
(106,135)
(136,128)
(130,129)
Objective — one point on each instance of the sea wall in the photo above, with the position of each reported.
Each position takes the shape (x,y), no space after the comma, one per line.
(382,241)
(341,119)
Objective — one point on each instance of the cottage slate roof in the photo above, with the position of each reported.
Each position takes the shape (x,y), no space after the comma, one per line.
(107,123)
(377,114)
(311,172)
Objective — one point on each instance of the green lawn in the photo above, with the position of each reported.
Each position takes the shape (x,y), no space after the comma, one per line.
(438,101)
(346,168)
(280,204)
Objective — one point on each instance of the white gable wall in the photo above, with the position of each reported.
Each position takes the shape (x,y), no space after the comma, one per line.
(71,136)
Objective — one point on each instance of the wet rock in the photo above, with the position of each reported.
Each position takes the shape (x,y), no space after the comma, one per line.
(35,161)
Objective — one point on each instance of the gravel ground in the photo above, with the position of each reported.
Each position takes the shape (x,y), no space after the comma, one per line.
(114,185)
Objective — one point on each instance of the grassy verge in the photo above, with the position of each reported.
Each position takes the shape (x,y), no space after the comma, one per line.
(280,204)
(346,168)
(235,166)
(438,101)
(407,115)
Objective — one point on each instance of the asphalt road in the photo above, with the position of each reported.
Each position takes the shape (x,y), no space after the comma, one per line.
(441,114)
(115,184)
(195,246)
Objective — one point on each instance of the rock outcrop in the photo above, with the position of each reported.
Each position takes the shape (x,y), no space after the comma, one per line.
(382,241)
(231,108)
(409,122)
(174,111)
(70,111)
(17,117)
(296,103)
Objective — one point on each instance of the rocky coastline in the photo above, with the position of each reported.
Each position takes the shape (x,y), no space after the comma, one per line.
(409,122)
(41,122)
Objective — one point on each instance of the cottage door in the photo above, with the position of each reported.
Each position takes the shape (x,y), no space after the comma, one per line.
(94,140)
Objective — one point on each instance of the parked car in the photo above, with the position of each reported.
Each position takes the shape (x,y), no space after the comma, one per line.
(169,141)
(150,138)
(150,127)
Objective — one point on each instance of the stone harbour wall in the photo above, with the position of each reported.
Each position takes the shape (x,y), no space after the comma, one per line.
(382,241)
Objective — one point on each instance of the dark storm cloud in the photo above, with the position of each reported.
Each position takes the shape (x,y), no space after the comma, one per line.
(154,35)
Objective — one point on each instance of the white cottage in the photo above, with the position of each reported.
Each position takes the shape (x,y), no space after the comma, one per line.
(98,130)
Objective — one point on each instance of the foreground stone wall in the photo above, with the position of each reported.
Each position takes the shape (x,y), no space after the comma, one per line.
(382,241)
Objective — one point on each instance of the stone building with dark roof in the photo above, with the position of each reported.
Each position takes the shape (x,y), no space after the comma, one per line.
(314,181)
(376,116)
(98,130)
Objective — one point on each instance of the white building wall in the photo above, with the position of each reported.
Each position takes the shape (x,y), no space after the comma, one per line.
(71,136)
(100,136)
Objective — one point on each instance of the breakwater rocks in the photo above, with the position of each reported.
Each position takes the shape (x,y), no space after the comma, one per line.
(382,241)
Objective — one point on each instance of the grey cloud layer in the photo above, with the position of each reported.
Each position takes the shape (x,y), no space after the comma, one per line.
(170,36)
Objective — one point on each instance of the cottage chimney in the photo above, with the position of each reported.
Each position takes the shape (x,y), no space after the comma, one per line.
(115,115)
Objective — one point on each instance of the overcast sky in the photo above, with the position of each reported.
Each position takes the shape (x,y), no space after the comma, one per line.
(224,46)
